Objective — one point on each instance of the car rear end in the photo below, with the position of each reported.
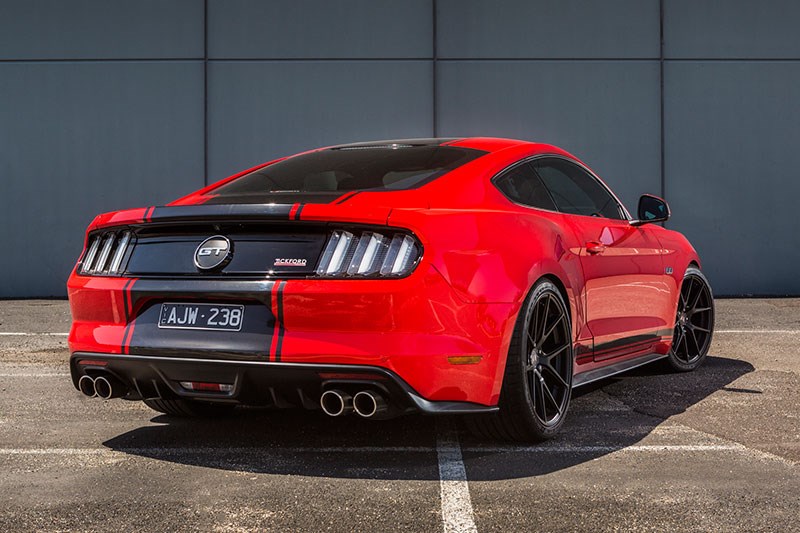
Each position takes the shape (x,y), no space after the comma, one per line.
(311,298)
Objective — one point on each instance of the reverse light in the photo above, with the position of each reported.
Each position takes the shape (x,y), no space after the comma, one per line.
(372,254)
(105,253)
(200,386)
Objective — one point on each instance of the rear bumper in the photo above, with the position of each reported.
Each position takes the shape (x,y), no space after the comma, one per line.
(256,382)
(410,327)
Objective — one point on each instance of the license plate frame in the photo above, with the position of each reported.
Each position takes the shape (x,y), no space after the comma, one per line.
(202,316)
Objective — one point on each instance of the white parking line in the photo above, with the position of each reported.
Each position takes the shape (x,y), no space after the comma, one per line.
(451,465)
(30,334)
(34,375)
(457,515)
(252,451)
(766,331)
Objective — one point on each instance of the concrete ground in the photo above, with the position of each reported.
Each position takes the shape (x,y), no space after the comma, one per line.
(713,450)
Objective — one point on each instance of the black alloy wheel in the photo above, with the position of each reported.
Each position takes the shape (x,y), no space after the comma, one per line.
(548,364)
(694,322)
(537,385)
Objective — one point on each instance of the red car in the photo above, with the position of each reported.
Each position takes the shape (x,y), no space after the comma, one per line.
(476,276)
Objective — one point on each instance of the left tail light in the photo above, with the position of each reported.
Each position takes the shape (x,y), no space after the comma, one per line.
(371,254)
(106,253)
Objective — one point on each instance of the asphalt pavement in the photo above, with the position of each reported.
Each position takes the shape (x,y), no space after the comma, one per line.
(713,450)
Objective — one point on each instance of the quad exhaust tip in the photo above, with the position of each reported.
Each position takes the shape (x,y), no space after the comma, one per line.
(336,402)
(87,387)
(105,387)
(368,404)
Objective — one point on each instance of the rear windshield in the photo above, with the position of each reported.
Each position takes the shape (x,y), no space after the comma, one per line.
(354,168)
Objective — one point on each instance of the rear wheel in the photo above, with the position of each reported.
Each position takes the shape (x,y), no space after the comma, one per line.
(537,385)
(189,408)
(694,322)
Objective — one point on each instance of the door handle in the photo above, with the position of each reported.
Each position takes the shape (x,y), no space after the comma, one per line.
(594,247)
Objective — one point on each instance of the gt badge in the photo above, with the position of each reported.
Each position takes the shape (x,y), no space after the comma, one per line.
(668,270)
(214,252)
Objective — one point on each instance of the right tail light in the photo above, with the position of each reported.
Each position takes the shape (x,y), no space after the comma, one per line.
(371,254)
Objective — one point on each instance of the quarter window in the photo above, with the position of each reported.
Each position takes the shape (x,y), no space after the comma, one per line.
(575,191)
(522,185)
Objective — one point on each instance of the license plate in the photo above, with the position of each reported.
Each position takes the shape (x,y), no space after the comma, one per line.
(216,317)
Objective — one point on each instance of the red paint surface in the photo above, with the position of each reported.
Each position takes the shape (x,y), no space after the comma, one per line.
(482,255)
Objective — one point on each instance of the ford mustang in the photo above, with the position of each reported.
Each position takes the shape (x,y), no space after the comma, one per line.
(476,276)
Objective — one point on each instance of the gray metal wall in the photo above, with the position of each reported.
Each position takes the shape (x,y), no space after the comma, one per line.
(107,104)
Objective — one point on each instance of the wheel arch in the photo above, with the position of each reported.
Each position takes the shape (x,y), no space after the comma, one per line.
(565,295)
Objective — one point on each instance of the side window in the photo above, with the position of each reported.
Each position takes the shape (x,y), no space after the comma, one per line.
(522,185)
(575,191)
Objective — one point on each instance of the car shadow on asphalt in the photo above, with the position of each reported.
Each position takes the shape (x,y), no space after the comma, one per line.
(604,417)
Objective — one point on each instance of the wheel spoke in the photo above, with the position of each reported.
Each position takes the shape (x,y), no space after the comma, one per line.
(697,297)
(532,385)
(704,330)
(556,375)
(696,345)
(688,351)
(555,352)
(698,310)
(533,326)
(551,398)
(531,340)
(676,343)
(552,328)
(541,396)
(544,319)
(688,297)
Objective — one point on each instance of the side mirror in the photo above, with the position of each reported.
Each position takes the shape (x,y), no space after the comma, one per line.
(651,209)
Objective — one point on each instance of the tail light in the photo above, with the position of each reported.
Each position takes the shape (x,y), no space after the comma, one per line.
(371,254)
(105,254)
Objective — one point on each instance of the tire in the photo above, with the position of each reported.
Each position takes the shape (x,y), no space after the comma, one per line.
(189,408)
(694,322)
(537,384)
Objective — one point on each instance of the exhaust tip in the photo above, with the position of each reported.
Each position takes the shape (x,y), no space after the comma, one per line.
(368,404)
(103,388)
(335,403)
(87,387)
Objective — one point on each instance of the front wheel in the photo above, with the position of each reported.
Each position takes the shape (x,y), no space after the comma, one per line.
(694,322)
(537,385)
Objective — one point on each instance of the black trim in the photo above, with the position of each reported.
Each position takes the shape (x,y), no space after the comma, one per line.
(425,141)
(596,374)
(127,303)
(280,198)
(631,341)
(202,289)
(206,212)
(345,197)
(299,210)
(532,158)
(279,319)
(154,377)
(126,299)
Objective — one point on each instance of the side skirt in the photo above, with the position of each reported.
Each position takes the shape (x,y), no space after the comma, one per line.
(590,376)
